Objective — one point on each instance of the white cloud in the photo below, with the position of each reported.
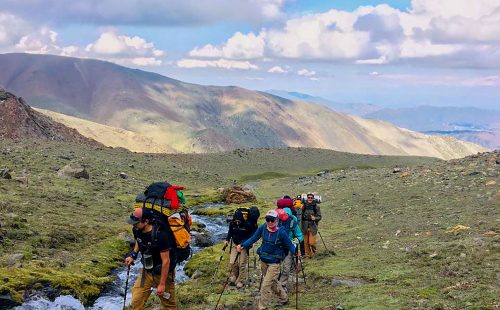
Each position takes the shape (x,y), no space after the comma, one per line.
(146,12)
(441,33)
(220,63)
(239,46)
(12,29)
(277,69)
(306,73)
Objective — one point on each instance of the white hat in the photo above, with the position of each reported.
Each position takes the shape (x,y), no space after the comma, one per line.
(272,213)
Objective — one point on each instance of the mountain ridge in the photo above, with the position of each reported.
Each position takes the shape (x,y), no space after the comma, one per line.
(194,118)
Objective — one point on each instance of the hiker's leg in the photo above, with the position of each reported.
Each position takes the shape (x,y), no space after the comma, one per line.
(312,243)
(233,266)
(141,294)
(266,288)
(243,271)
(306,242)
(285,271)
(169,303)
(273,272)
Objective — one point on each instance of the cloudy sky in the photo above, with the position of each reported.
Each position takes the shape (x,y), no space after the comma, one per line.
(391,53)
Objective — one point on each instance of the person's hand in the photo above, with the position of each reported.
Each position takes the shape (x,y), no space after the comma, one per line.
(226,243)
(313,218)
(298,253)
(128,261)
(160,289)
(239,248)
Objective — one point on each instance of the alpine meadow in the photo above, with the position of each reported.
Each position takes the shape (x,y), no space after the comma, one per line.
(249,154)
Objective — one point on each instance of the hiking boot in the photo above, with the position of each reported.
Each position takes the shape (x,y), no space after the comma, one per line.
(232,280)
(282,303)
(239,285)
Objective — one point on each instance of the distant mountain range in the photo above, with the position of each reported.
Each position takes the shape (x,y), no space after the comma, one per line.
(465,123)
(164,114)
(359,109)
(475,125)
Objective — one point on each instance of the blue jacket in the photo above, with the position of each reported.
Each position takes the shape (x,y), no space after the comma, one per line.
(293,228)
(273,246)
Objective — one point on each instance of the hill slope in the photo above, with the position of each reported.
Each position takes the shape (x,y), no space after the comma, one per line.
(195,118)
(20,121)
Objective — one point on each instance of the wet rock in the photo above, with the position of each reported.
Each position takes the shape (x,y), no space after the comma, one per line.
(69,171)
(202,240)
(6,302)
(5,174)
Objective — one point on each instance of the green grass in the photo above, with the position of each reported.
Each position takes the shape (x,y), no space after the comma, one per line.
(384,228)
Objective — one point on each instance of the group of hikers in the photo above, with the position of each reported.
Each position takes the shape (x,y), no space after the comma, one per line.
(288,234)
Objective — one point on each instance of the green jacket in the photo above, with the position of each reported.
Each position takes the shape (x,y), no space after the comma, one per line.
(307,211)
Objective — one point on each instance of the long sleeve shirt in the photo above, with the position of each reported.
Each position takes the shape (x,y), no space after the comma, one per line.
(273,246)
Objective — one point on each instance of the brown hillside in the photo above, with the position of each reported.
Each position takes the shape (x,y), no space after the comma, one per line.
(186,117)
(20,121)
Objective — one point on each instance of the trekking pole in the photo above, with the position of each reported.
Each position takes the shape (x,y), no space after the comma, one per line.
(296,281)
(303,273)
(218,264)
(227,281)
(319,233)
(126,287)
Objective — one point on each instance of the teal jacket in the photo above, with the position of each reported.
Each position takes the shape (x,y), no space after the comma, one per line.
(293,228)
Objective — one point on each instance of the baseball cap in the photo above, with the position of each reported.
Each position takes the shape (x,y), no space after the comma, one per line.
(135,217)
(272,213)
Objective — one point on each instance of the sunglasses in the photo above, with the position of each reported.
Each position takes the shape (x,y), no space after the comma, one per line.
(310,197)
(270,219)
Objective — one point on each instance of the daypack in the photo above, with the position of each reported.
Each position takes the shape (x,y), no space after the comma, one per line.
(179,227)
(251,215)
(163,194)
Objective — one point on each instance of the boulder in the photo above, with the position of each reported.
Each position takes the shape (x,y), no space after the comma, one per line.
(69,171)
(123,175)
(202,241)
(14,259)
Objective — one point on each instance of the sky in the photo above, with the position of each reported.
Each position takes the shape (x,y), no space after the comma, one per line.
(393,53)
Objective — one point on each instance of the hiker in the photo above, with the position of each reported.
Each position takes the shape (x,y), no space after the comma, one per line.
(240,229)
(286,202)
(290,224)
(298,205)
(272,252)
(311,215)
(156,244)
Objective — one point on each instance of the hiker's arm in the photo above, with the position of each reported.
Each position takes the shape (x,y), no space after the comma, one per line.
(297,233)
(165,265)
(229,234)
(256,236)
(132,255)
(287,241)
(318,213)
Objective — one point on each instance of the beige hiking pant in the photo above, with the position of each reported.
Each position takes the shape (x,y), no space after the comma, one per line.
(141,294)
(239,268)
(310,243)
(287,267)
(270,284)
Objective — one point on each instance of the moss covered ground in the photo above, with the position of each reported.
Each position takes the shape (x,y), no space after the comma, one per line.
(395,234)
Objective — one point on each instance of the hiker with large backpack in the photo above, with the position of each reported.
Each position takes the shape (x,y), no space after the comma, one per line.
(242,227)
(289,223)
(156,245)
(275,242)
(311,215)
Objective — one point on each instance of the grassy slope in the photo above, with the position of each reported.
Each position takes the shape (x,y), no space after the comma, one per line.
(60,227)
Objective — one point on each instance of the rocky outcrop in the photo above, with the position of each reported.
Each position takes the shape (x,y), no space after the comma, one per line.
(19,121)
(238,195)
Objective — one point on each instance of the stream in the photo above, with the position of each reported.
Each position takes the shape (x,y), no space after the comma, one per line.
(111,297)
